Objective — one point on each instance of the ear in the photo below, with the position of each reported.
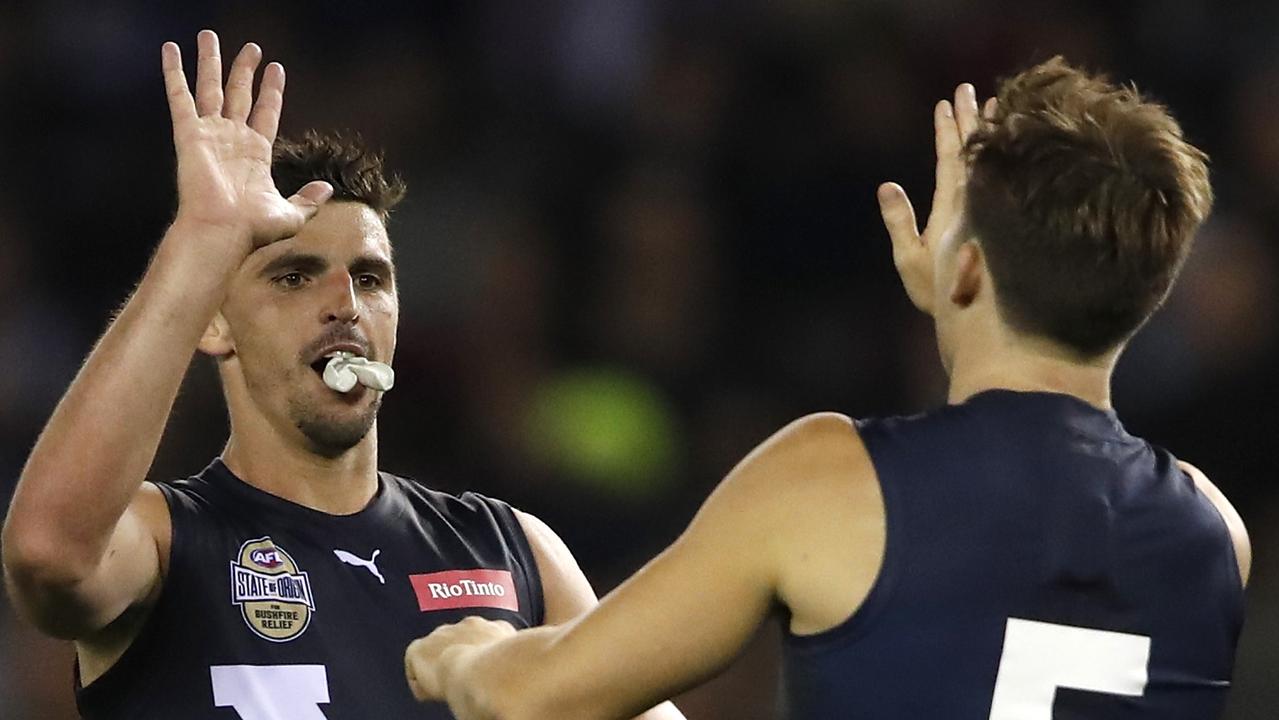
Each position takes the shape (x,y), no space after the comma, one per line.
(217,340)
(969,277)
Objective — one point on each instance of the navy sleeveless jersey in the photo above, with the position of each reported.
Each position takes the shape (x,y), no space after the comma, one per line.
(1041,564)
(274,611)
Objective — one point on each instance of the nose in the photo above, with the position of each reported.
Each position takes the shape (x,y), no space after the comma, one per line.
(339,300)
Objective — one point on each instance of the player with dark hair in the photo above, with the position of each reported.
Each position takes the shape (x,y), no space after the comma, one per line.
(1014,555)
(283,581)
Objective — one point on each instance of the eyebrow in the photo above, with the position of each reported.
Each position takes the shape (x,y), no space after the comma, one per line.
(373,264)
(316,264)
(304,262)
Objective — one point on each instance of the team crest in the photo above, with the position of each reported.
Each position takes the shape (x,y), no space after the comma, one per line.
(273,594)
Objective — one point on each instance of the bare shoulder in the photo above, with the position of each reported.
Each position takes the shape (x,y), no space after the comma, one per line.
(1234,523)
(811,455)
(825,427)
(152,510)
(566,591)
(813,495)
(544,541)
(148,516)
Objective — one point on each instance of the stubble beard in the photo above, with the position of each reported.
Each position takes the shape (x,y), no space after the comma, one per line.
(331,435)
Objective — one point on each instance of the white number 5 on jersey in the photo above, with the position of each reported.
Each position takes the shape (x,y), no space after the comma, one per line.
(1040,657)
(271,692)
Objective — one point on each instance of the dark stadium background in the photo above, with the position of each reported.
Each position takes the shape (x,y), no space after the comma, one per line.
(640,235)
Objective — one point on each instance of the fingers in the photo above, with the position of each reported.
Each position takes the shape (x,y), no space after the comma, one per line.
(311,197)
(966,113)
(208,74)
(953,125)
(945,130)
(421,684)
(265,118)
(239,83)
(181,105)
(501,628)
(988,110)
(912,251)
(950,169)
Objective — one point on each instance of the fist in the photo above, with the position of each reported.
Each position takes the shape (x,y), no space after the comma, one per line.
(430,662)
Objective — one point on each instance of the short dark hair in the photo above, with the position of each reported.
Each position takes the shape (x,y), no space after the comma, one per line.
(355,171)
(1084,198)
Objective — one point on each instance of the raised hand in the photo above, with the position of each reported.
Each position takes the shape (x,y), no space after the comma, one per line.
(913,251)
(223,144)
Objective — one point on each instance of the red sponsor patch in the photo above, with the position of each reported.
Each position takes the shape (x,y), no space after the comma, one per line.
(465,589)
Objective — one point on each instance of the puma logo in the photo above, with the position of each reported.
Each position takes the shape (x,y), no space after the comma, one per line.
(370,564)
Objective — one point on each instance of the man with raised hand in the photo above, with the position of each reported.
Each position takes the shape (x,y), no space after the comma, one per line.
(284,580)
(1014,555)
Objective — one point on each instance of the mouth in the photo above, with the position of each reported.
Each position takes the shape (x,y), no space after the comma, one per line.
(341,370)
(322,359)
(318,366)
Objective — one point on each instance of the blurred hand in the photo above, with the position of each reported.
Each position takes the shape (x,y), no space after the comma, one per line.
(223,145)
(913,251)
(426,662)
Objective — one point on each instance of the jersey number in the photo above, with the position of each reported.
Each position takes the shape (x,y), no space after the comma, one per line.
(1040,657)
(271,692)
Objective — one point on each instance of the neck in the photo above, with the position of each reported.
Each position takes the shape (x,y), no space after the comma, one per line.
(1030,365)
(280,466)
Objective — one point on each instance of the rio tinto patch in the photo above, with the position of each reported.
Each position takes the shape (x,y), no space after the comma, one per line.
(274,595)
(454,589)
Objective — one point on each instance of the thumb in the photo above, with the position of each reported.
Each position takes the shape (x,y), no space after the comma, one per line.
(311,197)
(899,219)
(909,253)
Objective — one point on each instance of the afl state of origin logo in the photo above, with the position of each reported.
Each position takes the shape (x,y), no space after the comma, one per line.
(273,594)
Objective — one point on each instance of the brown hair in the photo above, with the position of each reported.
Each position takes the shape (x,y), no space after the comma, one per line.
(1084,197)
(355,172)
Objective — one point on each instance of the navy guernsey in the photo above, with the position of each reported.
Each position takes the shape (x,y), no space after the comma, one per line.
(1041,564)
(273,611)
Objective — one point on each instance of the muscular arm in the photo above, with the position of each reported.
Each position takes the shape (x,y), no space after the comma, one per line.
(751,548)
(80,539)
(83,540)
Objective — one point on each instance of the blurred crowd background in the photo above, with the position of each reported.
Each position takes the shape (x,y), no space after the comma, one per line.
(640,235)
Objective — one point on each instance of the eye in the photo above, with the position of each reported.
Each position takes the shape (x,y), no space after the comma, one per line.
(291,280)
(368,281)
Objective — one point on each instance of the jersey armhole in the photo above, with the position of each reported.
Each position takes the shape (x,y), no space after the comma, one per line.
(511,527)
(861,621)
(110,683)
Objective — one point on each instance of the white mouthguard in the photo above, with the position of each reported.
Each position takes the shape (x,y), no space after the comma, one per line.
(346,369)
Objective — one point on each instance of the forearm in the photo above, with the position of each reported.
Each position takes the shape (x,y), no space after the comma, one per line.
(648,640)
(98,445)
